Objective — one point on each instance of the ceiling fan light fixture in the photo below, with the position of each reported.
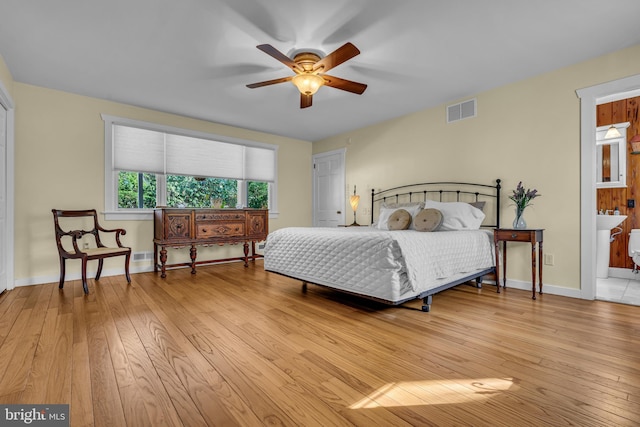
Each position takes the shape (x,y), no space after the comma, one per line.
(308,83)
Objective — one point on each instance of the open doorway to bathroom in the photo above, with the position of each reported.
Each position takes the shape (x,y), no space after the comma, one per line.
(590,99)
(620,282)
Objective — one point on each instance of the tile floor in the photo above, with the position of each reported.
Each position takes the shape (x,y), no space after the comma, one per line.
(619,290)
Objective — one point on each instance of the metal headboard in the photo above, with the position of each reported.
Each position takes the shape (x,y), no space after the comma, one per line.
(444,191)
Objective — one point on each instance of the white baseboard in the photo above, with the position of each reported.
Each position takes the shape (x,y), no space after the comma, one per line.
(133,269)
(546,288)
(40,280)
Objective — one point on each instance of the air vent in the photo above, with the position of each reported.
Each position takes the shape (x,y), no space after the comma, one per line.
(463,110)
(142,256)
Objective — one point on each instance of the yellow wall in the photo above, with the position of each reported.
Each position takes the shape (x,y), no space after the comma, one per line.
(528,131)
(60,164)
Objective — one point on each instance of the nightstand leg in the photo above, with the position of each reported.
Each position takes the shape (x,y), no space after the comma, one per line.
(504,264)
(497,245)
(540,261)
(533,270)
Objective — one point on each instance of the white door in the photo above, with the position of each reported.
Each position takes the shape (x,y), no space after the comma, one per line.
(3,199)
(329,189)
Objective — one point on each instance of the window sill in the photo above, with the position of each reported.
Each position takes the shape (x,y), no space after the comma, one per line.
(141,215)
(144,215)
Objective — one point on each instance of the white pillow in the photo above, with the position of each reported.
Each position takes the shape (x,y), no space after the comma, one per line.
(385,213)
(457,215)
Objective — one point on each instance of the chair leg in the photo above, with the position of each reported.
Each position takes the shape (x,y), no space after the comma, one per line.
(84,276)
(99,272)
(126,266)
(62,264)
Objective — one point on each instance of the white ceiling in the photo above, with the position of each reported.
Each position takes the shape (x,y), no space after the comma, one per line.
(194,57)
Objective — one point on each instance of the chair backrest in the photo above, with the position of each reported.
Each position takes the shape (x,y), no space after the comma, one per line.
(60,233)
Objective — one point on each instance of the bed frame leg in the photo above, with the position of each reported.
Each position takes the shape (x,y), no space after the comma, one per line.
(479,281)
(427,303)
(304,286)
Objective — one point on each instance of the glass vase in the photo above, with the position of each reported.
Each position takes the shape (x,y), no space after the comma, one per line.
(519,221)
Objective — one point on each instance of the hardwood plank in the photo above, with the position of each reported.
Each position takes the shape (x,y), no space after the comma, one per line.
(157,403)
(239,346)
(81,402)
(17,352)
(107,404)
(223,403)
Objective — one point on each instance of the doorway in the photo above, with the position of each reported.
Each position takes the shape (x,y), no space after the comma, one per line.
(329,189)
(590,97)
(6,189)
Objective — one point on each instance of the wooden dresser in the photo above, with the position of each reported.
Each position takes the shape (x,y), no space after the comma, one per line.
(180,227)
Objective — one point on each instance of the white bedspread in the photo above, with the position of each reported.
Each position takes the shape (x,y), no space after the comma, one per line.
(390,265)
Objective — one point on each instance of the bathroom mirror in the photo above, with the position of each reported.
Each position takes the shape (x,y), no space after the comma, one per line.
(611,157)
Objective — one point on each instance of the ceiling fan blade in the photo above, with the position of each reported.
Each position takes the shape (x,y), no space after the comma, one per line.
(343,84)
(275,53)
(305,100)
(269,82)
(337,57)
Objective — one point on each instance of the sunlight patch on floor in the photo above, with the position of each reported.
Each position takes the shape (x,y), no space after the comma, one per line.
(441,392)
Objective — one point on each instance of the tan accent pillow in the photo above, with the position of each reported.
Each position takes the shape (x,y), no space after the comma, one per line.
(399,220)
(428,220)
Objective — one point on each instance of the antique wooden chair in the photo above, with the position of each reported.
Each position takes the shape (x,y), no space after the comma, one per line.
(99,252)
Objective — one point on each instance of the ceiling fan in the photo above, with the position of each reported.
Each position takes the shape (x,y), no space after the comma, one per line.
(310,68)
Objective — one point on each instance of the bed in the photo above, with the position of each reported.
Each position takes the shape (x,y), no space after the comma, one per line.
(398,265)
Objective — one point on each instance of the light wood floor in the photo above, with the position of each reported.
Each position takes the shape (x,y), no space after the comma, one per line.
(236,346)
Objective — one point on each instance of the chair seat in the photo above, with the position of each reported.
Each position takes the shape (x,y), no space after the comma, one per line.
(101,252)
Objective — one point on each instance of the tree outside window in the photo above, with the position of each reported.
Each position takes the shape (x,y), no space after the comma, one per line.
(138,190)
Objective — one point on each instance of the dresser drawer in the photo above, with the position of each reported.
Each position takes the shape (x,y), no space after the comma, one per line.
(178,226)
(212,229)
(220,216)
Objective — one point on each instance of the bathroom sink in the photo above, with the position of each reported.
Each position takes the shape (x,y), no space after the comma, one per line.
(607,222)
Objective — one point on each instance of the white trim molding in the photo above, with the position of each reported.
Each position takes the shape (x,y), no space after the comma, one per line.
(7,102)
(590,97)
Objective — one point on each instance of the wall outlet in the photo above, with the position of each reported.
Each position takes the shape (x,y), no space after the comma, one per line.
(548,259)
(85,245)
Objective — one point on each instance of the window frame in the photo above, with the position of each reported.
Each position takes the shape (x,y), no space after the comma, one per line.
(113,212)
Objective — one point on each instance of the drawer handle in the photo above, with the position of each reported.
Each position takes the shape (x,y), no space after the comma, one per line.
(514,235)
(204,230)
(179,226)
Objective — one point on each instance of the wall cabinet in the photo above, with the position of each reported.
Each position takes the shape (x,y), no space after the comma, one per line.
(177,228)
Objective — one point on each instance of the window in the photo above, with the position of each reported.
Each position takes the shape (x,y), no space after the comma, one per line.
(148,165)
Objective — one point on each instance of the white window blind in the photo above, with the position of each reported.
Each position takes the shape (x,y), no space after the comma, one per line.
(201,157)
(259,164)
(138,150)
(142,150)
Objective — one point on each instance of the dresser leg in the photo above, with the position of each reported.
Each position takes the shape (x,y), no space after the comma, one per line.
(246,254)
(194,253)
(163,262)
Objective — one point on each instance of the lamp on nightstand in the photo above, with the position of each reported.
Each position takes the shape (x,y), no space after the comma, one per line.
(354,201)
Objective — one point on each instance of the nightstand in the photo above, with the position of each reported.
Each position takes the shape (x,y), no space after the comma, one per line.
(533,236)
